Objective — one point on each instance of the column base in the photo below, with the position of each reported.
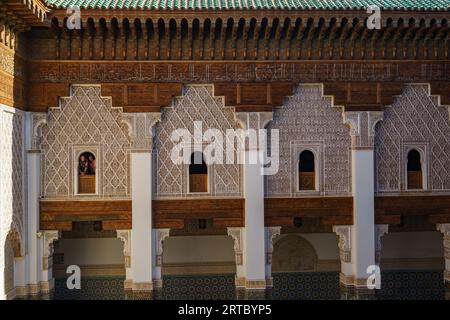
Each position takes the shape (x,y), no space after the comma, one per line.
(251,289)
(447,290)
(138,290)
(352,288)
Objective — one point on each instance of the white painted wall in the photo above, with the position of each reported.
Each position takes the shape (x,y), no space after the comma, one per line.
(325,244)
(412,245)
(192,249)
(91,251)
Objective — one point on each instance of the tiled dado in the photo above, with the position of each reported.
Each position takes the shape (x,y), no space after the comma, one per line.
(242,283)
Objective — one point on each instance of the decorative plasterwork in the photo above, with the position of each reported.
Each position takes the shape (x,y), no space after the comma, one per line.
(125,237)
(445,229)
(13,215)
(38,120)
(362,127)
(49,237)
(416,116)
(380,231)
(161,234)
(85,119)
(271,234)
(306,118)
(140,129)
(238,237)
(345,242)
(197,105)
(253,120)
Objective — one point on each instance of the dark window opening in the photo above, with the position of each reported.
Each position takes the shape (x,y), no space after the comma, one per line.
(414,170)
(198,173)
(87,167)
(306,171)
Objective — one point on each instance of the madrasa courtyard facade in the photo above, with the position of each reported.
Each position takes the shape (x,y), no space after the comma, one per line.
(349,104)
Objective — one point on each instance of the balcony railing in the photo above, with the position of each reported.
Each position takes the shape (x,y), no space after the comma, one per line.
(198,182)
(307,181)
(414,180)
(86,184)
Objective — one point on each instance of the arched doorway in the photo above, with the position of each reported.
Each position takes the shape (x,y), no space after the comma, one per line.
(299,267)
(198,263)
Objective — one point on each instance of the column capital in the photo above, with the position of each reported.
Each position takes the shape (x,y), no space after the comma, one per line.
(345,242)
(362,127)
(380,231)
(271,234)
(237,234)
(161,234)
(37,121)
(125,237)
(253,120)
(140,126)
(49,237)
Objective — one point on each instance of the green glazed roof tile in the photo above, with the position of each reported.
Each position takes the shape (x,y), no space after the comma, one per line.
(252,4)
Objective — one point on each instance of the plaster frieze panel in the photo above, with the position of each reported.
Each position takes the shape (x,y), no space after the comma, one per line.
(125,237)
(161,234)
(271,234)
(49,237)
(380,231)
(415,119)
(310,118)
(362,127)
(238,236)
(140,126)
(345,242)
(84,120)
(197,105)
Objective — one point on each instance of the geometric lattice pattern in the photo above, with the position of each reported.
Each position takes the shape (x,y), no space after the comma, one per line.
(204,287)
(414,117)
(92,288)
(411,285)
(309,118)
(306,286)
(196,104)
(85,119)
(12,174)
(396,285)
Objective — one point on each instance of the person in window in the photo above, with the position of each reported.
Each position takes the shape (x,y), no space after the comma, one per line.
(83,166)
(92,164)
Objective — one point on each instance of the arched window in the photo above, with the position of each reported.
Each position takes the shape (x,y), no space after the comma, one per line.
(414,170)
(86,173)
(198,173)
(306,171)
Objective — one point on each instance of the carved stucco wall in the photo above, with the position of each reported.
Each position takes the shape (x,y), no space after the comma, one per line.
(197,103)
(12,175)
(415,120)
(85,121)
(293,253)
(309,120)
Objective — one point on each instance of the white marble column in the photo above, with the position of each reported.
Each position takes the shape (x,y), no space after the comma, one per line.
(34,123)
(140,126)
(362,232)
(253,236)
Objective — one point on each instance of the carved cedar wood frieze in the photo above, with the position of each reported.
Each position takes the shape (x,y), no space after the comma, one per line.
(206,72)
